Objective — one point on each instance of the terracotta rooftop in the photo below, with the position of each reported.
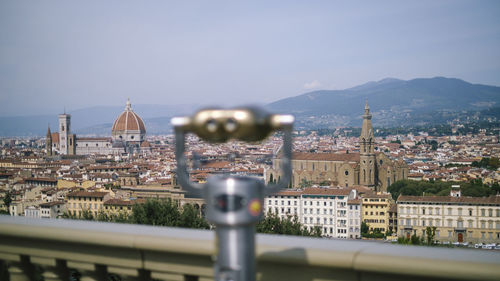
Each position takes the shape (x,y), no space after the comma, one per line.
(326,156)
(119,202)
(325,191)
(87,194)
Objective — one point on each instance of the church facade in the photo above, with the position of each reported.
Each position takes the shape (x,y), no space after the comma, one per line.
(128,135)
(366,167)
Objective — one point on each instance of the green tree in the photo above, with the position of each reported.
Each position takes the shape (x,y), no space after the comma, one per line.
(365,229)
(191,218)
(273,224)
(415,240)
(87,215)
(7,200)
(156,212)
(430,234)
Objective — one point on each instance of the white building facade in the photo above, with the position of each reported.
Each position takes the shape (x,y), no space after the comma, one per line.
(326,208)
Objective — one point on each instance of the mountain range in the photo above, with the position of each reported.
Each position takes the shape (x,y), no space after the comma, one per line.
(393,102)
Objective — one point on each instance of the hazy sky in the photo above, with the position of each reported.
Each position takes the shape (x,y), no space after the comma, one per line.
(56,54)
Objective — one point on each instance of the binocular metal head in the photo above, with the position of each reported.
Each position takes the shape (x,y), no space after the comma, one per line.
(245,124)
(220,125)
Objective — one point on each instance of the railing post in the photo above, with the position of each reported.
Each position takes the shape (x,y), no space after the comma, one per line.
(52,268)
(16,272)
(19,267)
(89,271)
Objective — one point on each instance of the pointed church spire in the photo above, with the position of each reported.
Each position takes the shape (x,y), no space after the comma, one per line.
(366,138)
(367,111)
(48,142)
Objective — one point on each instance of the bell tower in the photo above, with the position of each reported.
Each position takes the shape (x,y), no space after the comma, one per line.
(48,142)
(64,132)
(368,174)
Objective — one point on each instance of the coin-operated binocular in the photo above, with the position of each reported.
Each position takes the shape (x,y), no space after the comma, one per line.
(234,203)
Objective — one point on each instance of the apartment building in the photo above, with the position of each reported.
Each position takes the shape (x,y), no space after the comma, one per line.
(326,208)
(456,218)
(79,201)
(52,210)
(354,217)
(375,211)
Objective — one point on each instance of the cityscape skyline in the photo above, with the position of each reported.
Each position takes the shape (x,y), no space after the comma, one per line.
(73,56)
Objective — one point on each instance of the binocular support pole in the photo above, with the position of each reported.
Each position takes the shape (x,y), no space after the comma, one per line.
(234,204)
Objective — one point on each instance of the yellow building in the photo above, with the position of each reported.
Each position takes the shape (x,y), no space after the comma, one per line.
(375,211)
(119,206)
(79,201)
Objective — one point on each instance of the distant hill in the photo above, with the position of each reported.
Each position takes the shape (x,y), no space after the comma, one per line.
(392,101)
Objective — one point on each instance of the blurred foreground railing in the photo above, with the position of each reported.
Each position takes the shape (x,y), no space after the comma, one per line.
(53,249)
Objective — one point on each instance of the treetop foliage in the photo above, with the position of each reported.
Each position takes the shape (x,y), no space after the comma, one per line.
(273,224)
(438,188)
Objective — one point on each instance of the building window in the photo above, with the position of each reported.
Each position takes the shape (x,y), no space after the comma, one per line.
(449,233)
(483,213)
(449,211)
(459,211)
(490,212)
(437,211)
(423,211)
(483,225)
(470,212)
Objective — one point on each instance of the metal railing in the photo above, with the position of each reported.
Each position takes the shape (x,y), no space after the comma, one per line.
(52,249)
